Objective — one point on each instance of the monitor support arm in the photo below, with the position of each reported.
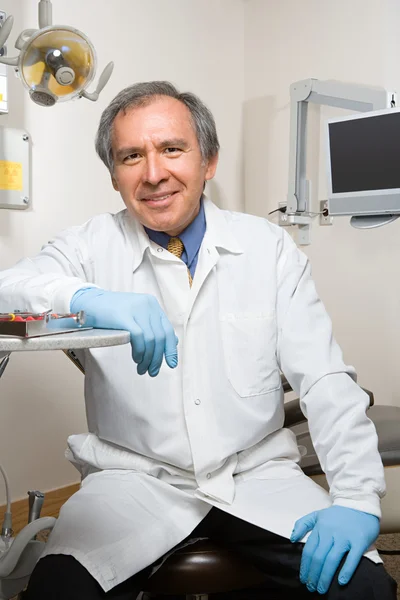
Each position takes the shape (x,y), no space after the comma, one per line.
(327,93)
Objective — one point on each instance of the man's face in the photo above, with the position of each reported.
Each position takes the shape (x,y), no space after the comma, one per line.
(159,170)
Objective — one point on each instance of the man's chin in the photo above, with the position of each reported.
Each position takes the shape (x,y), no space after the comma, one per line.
(163,225)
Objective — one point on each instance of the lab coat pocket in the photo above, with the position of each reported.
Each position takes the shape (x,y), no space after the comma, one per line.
(249,342)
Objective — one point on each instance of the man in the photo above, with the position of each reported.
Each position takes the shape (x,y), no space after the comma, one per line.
(190,442)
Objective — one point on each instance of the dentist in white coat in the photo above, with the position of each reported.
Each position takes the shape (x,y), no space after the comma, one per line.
(186,434)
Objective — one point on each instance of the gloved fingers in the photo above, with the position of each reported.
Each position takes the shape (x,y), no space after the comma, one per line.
(350,565)
(307,555)
(137,342)
(171,342)
(149,345)
(318,562)
(159,345)
(303,526)
(331,566)
(142,339)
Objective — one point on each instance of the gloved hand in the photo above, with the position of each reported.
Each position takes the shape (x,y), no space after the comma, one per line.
(152,335)
(335,531)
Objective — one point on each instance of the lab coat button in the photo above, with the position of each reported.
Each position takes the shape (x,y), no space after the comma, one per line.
(160,249)
(208,475)
(197,401)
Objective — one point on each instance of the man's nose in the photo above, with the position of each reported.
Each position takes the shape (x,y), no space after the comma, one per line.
(154,170)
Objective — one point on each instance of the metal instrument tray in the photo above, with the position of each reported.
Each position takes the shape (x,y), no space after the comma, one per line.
(28,325)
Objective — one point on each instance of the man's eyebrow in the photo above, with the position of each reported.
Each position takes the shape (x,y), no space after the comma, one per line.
(126,151)
(172,143)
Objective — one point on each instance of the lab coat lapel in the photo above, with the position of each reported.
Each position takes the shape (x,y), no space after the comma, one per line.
(208,258)
(217,236)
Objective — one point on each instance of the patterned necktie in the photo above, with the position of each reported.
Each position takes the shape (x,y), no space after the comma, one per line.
(176,247)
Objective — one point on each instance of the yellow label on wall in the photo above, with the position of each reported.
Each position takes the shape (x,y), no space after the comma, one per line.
(10,175)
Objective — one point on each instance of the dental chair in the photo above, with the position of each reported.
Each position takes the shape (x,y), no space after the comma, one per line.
(204,567)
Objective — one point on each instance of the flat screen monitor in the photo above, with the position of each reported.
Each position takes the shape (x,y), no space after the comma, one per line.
(364,164)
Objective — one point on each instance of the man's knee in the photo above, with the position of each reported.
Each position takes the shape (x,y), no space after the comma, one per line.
(370,582)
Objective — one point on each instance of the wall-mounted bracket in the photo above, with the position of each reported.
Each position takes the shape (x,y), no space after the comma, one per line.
(302,221)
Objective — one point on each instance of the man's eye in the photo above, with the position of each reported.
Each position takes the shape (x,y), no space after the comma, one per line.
(131,157)
(172,150)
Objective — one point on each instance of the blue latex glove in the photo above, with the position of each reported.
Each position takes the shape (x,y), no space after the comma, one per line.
(152,335)
(335,531)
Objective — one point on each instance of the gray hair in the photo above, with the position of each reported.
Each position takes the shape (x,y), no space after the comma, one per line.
(142,94)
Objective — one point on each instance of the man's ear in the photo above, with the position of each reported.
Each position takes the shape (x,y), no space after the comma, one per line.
(211,167)
(114,183)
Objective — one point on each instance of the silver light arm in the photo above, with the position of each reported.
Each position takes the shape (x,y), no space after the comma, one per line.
(45,14)
(13,62)
(104,78)
(4,35)
(24,37)
(6,30)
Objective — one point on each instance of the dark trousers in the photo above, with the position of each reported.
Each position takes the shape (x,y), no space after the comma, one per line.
(60,577)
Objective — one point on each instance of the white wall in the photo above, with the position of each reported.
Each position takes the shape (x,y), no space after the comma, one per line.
(198,45)
(356,272)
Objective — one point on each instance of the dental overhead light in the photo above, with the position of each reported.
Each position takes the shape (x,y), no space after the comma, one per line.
(55,63)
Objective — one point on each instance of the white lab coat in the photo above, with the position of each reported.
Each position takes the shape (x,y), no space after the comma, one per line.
(161,451)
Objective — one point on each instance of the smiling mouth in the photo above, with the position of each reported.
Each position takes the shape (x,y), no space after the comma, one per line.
(158,198)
